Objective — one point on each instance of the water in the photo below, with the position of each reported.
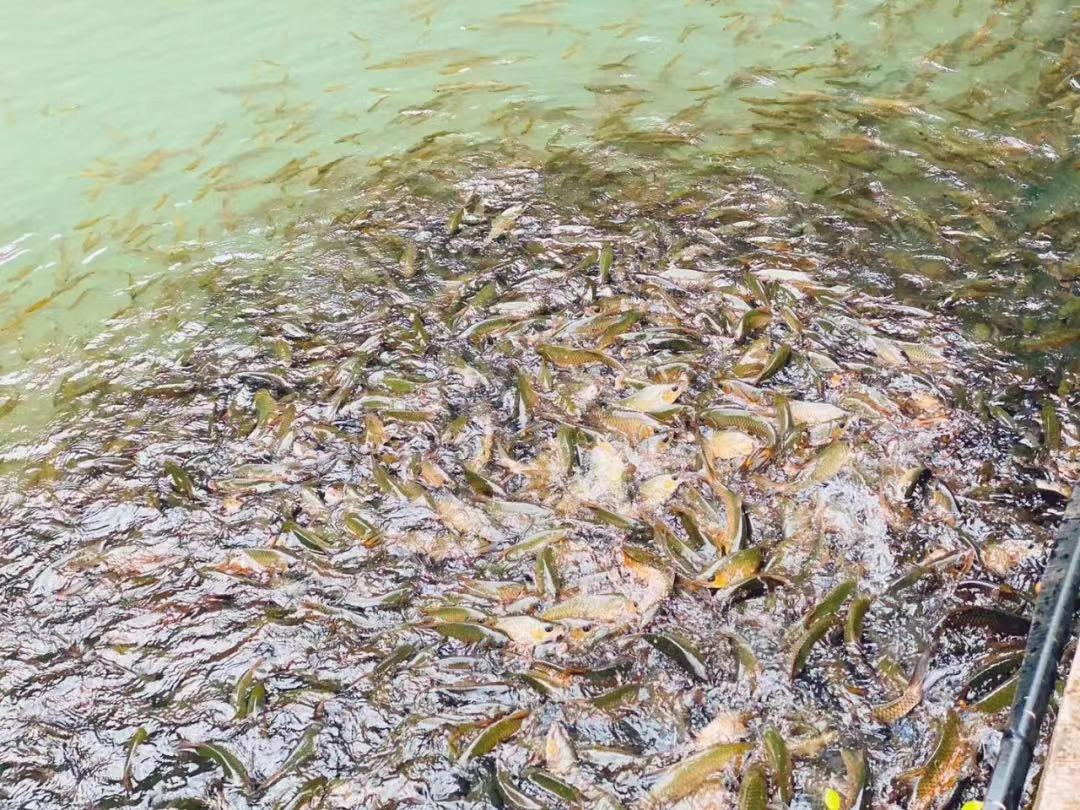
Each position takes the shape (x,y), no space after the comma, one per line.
(170,143)
(263,409)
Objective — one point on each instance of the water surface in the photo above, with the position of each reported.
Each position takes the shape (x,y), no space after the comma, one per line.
(315,315)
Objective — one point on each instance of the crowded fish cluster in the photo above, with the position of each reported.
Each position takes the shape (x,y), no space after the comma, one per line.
(517,503)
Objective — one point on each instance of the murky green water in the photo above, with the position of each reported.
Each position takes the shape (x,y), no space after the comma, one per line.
(412,405)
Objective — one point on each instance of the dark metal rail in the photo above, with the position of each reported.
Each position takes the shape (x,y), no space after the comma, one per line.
(1046,641)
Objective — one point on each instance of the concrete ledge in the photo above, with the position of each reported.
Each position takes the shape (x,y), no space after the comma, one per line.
(1060,786)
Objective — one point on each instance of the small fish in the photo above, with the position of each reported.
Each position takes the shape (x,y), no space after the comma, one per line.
(832,602)
(658,489)
(225,759)
(779,759)
(503,222)
(140,736)
(740,420)
(527,631)
(830,461)
(471,633)
(497,732)
(804,643)
(397,657)
(248,695)
(536,542)
(254,88)
(901,706)
(636,427)
(547,578)
(684,778)
(734,568)
(853,623)
(999,621)
(618,328)
(453,223)
(775,364)
(511,795)
(753,320)
(308,537)
(725,727)
(680,650)
(858,779)
(304,750)
(591,607)
(998,699)
(1051,426)
(604,263)
(753,793)
(549,783)
(567,357)
(754,360)
(938,779)
(181,480)
(651,399)
(815,413)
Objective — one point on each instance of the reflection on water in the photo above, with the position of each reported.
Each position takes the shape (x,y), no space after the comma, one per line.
(557,405)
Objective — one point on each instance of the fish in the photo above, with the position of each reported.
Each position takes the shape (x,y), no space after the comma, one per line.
(831,603)
(815,413)
(553,785)
(753,792)
(651,399)
(527,631)
(658,489)
(778,757)
(250,89)
(725,727)
(593,607)
(503,222)
(685,777)
(547,577)
(495,733)
(938,778)
(681,650)
(727,445)
(853,622)
(304,750)
(856,789)
(471,633)
(803,645)
(224,758)
(828,463)
(753,320)
(742,420)
(775,364)
(902,705)
(734,568)
(567,357)
(140,736)
(605,260)
(511,795)
(636,427)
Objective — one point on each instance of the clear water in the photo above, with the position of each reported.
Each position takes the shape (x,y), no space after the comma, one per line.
(154,129)
(209,223)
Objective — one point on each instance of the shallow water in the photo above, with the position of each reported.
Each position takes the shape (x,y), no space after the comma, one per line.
(280,395)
